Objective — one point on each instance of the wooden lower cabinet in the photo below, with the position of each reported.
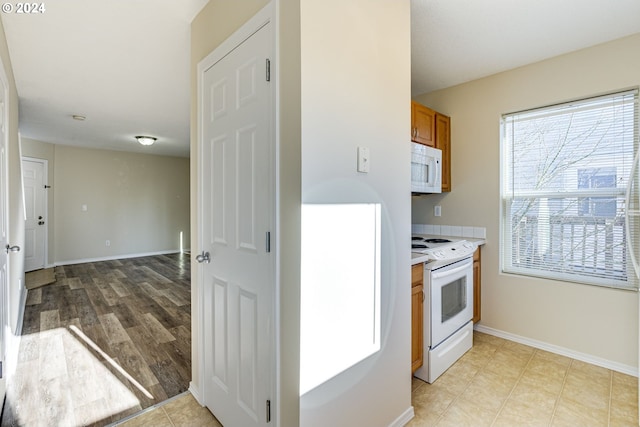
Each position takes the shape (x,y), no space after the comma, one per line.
(476,286)
(417,313)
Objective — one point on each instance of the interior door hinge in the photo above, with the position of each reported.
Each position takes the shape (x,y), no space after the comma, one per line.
(0,369)
(268,242)
(268,70)
(268,411)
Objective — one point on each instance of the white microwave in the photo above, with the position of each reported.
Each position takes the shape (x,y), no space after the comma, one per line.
(426,169)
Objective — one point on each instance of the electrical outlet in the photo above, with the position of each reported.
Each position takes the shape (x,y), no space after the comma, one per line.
(437,210)
(107,243)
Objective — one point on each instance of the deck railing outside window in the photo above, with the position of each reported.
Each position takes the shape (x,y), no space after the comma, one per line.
(582,245)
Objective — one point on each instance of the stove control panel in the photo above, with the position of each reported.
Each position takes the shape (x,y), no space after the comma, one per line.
(458,249)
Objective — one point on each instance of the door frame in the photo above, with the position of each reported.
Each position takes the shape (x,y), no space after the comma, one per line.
(264,16)
(5,292)
(9,339)
(45,179)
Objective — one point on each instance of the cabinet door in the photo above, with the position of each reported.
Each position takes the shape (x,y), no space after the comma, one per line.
(443,142)
(417,301)
(417,274)
(476,286)
(423,124)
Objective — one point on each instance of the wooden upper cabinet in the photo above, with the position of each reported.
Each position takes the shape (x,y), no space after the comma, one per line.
(443,142)
(423,124)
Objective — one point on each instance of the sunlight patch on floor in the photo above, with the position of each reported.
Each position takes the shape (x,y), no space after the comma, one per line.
(61,379)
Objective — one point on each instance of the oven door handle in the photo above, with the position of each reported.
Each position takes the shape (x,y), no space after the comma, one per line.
(438,274)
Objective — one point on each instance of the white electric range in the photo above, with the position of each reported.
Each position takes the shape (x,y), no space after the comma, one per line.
(448,303)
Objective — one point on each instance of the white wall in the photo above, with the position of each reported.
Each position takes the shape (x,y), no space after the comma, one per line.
(288,130)
(599,322)
(356,92)
(139,202)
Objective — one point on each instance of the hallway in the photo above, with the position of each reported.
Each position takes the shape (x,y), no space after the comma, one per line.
(103,342)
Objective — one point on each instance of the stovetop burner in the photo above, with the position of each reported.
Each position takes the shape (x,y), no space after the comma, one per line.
(437,240)
(418,246)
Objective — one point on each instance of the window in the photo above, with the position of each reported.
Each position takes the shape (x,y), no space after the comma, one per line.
(598,178)
(565,174)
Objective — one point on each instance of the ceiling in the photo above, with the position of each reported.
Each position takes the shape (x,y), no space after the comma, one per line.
(455,41)
(124,64)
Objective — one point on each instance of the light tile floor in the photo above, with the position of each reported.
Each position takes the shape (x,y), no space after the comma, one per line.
(503,383)
(181,411)
(497,383)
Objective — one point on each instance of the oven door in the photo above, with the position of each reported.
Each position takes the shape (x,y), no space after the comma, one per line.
(451,304)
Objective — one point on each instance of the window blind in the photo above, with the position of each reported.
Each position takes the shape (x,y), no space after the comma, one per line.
(565,174)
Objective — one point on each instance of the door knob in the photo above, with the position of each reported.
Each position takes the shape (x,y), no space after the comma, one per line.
(203,257)
(9,248)
(40,222)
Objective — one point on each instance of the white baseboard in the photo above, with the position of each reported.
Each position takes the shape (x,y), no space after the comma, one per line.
(404,418)
(115,257)
(195,392)
(22,307)
(14,337)
(583,357)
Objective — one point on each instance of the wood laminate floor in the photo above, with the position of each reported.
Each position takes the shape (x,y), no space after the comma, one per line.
(104,341)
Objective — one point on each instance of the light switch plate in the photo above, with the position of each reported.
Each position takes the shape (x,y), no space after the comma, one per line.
(363,159)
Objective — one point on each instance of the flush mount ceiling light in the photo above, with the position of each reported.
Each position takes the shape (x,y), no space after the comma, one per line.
(78,117)
(146,140)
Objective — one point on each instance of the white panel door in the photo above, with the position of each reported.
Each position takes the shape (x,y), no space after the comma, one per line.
(35,211)
(237,214)
(5,329)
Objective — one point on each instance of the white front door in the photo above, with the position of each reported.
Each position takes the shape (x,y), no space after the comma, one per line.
(237,215)
(33,176)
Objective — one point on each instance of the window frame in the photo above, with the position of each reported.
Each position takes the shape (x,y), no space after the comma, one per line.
(506,242)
